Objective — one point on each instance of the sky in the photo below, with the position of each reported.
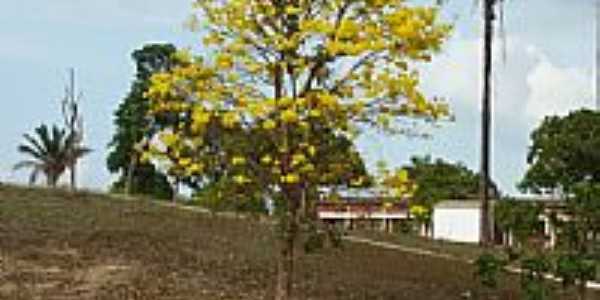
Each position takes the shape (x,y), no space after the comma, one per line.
(543,66)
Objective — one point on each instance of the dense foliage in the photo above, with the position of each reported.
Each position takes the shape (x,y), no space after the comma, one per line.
(443,180)
(132,127)
(564,152)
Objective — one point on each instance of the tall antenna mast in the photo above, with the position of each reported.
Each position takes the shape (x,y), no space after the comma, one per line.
(73,120)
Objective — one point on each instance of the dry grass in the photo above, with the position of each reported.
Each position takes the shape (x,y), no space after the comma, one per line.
(58,245)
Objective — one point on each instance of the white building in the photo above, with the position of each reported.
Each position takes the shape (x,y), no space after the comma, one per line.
(457,221)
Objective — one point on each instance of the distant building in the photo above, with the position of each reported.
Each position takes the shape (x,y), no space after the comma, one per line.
(457,221)
(460,221)
(364,208)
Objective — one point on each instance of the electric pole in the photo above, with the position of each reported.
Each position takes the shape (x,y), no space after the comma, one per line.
(486,116)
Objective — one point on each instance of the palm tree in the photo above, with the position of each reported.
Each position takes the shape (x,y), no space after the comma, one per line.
(51,151)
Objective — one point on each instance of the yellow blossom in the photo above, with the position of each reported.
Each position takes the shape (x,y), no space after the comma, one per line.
(357,182)
(146,156)
(195,168)
(403,175)
(290,178)
(185,161)
(169,139)
(266,159)
(304,125)
(328,100)
(418,210)
(269,124)
(257,109)
(298,159)
(238,160)
(224,61)
(200,117)
(315,113)
(230,119)
(289,116)
(307,168)
(292,10)
(240,179)
(285,102)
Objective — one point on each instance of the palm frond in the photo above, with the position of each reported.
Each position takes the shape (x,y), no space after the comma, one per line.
(26,149)
(25,164)
(43,136)
(51,151)
(82,151)
(35,143)
(36,168)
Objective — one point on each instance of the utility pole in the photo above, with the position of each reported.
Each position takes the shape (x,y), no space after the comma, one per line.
(486,116)
(73,122)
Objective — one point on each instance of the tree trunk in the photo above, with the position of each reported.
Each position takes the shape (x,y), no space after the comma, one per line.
(73,172)
(285,263)
(285,266)
(51,180)
(130,171)
(582,290)
(175,190)
(488,16)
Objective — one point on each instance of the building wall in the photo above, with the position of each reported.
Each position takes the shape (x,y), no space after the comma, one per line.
(456,224)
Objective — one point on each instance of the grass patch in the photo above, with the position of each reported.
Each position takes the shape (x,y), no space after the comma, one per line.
(61,245)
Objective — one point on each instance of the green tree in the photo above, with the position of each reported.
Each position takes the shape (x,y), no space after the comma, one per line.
(520,219)
(443,180)
(563,153)
(52,151)
(578,249)
(563,160)
(132,127)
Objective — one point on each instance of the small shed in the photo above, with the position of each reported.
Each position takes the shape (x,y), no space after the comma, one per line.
(457,221)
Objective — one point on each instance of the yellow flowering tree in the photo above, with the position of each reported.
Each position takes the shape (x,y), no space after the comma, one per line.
(281,72)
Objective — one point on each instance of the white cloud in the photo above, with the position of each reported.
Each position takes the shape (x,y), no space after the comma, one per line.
(555,90)
(528,85)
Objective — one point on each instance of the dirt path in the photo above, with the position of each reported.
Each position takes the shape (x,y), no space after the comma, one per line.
(407,249)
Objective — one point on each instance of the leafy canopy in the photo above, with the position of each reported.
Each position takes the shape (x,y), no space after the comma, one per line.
(564,152)
(132,126)
(441,180)
(283,71)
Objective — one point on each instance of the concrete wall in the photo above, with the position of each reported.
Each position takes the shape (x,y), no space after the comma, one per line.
(456,224)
